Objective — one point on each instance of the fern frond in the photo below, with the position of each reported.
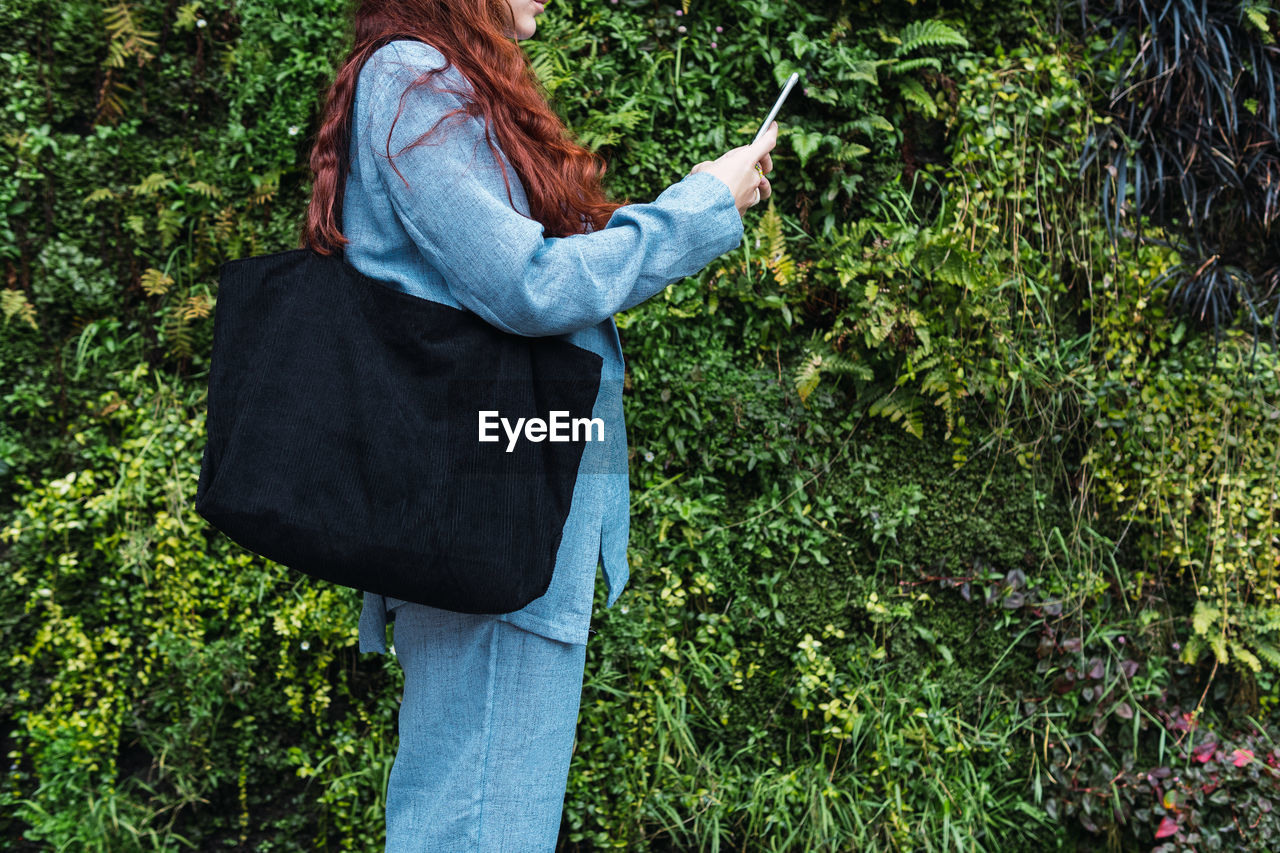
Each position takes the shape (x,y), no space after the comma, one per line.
(815,364)
(1245,655)
(868,124)
(168,225)
(902,406)
(155,283)
(1269,652)
(150,185)
(14,304)
(915,63)
(264,188)
(188,14)
(204,189)
(197,307)
(851,151)
(912,90)
(601,129)
(1256,13)
(100,194)
(808,375)
(777,259)
(952,264)
(1204,618)
(126,37)
(861,71)
(919,34)
(177,330)
(224,223)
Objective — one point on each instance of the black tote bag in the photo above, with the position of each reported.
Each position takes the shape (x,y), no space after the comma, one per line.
(343,436)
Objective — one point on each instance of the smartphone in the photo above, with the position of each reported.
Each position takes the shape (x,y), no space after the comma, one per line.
(777,105)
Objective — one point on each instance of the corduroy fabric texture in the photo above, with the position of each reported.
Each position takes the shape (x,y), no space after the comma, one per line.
(322,378)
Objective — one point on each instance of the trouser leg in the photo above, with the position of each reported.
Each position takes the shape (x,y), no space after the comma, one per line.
(486,734)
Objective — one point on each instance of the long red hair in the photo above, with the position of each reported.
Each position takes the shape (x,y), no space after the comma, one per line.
(562,179)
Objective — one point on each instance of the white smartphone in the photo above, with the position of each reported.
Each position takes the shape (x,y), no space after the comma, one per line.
(777,105)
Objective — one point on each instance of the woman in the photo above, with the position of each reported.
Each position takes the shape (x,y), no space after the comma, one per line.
(453,180)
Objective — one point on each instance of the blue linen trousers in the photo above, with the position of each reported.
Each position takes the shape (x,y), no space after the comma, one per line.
(486,734)
(490,703)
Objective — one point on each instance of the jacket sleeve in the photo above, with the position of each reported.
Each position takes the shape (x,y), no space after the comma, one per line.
(450,196)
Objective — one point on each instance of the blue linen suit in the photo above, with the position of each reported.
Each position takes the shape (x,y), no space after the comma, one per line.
(437,223)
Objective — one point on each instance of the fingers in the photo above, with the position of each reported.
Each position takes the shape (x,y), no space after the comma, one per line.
(767,141)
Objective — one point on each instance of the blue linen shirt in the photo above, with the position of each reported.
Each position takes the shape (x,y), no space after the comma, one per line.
(439,225)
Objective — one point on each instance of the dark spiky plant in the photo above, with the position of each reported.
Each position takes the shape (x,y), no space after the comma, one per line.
(1193,146)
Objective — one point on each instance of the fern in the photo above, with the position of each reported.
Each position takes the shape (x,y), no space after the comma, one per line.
(265,188)
(919,34)
(150,185)
(169,226)
(549,65)
(809,374)
(870,123)
(188,14)
(224,224)
(777,259)
(806,142)
(899,405)
(126,37)
(1241,653)
(1269,652)
(851,151)
(125,40)
(14,304)
(601,129)
(155,283)
(197,307)
(917,63)
(913,91)
(100,194)
(951,264)
(1256,14)
(861,71)
(206,190)
(1204,618)
(178,332)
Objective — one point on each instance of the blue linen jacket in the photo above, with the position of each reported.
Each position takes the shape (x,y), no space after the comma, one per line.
(438,224)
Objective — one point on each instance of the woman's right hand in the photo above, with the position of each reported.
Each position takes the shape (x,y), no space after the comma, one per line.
(737,168)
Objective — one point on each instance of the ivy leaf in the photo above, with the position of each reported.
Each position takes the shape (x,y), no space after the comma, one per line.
(805,143)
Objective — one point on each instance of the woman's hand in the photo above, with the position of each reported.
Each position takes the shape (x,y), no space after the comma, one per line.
(738,169)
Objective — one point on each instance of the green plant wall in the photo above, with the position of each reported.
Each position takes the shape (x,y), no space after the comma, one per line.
(948,532)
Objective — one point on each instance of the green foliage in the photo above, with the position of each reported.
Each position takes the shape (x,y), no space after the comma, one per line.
(946,533)
(1220,207)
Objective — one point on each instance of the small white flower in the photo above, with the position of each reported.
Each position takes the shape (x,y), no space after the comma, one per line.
(648,456)
(305,644)
(202,23)
(682,29)
(392,649)
(293,130)
(624,609)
